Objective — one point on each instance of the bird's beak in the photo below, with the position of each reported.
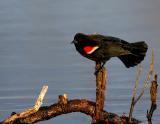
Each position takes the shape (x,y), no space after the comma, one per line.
(74,41)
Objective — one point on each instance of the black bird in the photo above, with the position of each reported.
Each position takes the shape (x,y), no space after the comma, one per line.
(100,48)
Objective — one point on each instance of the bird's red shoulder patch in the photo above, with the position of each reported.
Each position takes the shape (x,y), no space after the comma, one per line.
(90,49)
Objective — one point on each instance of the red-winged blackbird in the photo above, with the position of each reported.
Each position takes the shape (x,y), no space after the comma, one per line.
(100,48)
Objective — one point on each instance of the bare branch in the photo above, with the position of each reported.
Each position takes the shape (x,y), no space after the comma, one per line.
(76,105)
(29,111)
(153,94)
(100,91)
(149,75)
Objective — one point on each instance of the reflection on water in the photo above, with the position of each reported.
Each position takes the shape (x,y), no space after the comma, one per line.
(35,49)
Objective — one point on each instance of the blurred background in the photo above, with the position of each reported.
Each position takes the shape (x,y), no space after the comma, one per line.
(35,49)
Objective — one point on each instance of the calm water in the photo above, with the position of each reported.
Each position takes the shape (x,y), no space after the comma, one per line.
(35,49)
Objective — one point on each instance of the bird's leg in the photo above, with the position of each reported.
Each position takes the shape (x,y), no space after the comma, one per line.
(99,68)
(103,63)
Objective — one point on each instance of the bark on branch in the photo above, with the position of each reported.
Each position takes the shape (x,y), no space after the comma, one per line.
(100,91)
(77,105)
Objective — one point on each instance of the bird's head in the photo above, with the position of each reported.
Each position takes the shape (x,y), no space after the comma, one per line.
(80,38)
(84,43)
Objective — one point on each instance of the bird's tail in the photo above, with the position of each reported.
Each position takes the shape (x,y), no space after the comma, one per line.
(137,53)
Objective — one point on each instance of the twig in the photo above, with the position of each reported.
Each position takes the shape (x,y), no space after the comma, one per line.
(139,70)
(29,111)
(153,94)
(40,98)
(145,85)
(149,75)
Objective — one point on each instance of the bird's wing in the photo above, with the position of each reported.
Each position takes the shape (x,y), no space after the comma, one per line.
(115,46)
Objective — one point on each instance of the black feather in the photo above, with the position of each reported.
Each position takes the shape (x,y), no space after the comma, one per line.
(137,54)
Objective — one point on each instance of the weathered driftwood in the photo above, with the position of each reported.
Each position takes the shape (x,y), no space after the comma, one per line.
(77,105)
